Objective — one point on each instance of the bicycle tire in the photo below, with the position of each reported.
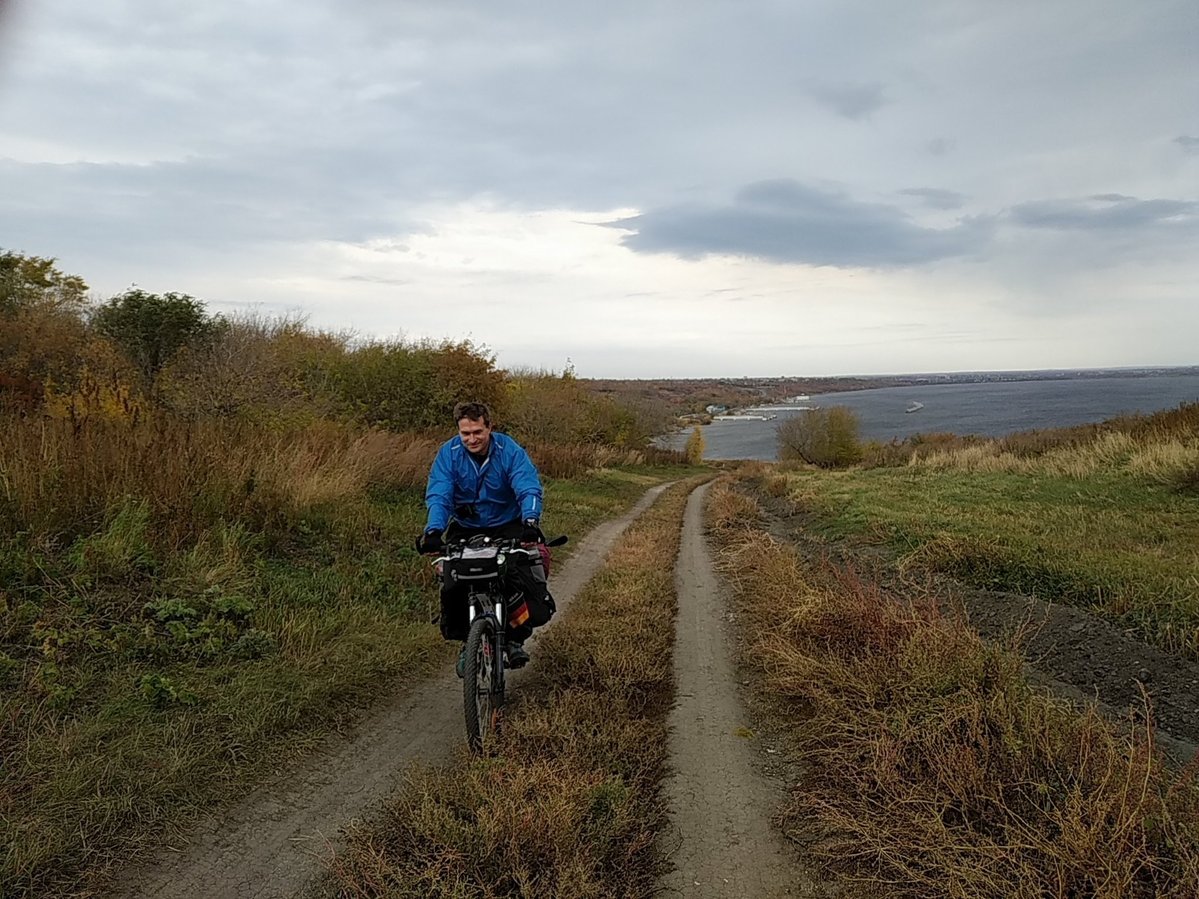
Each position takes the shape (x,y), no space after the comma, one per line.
(480,699)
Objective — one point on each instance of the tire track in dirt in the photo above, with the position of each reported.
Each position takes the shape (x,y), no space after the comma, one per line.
(269,845)
(721,804)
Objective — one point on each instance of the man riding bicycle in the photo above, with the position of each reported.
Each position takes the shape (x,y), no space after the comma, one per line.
(483,482)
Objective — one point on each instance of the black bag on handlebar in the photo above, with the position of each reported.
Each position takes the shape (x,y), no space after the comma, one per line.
(474,564)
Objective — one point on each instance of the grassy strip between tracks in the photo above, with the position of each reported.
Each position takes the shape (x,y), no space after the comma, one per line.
(569,804)
(931,767)
(136,725)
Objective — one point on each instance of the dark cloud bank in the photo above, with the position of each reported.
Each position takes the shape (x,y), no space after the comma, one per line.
(788,222)
(785,221)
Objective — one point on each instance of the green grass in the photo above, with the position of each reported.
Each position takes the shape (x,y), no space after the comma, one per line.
(138,690)
(1124,546)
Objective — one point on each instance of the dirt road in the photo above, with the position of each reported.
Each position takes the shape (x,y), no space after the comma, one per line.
(721,804)
(270,845)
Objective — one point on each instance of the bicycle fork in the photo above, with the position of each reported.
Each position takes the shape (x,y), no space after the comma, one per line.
(497,611)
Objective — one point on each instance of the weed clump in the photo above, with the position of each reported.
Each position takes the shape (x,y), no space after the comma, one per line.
(1187,480)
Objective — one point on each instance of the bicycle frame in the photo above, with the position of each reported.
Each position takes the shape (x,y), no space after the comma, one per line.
(480,563)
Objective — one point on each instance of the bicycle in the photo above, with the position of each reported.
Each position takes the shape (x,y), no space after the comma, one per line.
(482,563)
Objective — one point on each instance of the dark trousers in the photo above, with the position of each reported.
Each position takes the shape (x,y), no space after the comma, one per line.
(525,578)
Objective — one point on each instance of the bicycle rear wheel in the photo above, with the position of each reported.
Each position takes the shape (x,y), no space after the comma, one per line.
(481,700)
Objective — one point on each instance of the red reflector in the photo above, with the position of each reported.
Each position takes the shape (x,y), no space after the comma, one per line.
(520,614)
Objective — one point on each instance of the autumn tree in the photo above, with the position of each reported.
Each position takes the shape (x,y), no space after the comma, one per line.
(31,282)
(41,324)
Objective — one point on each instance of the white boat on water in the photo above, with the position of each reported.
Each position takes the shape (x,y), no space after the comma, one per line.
(915,407)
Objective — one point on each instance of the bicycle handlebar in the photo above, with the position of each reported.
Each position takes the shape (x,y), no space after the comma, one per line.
(508,544)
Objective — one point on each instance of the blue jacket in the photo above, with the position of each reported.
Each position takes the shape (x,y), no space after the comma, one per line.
(505,488)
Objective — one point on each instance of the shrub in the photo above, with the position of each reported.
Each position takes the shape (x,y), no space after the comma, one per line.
(695,447)
(405,386)
(546,407)
(824,437)
(151,328)
(102,386)
(275,369)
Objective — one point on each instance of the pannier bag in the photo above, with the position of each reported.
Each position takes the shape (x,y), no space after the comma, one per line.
(529,601)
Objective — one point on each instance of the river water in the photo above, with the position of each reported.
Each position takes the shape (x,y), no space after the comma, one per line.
(989,409)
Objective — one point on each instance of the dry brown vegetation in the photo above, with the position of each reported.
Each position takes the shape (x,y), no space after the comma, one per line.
(932,767)
(60,480)
(569,804)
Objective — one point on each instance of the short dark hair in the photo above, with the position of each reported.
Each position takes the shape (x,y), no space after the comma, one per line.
(473,411)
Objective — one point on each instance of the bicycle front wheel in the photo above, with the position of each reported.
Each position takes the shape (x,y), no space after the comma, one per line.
(481,699)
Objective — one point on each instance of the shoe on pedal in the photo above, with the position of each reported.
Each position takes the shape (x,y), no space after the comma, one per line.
(518,657)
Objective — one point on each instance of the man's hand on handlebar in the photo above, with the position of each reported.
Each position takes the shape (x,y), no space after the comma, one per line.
(430,543)
(531,532)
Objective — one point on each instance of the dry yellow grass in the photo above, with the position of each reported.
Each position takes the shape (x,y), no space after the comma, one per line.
(1160,458)
(933,768)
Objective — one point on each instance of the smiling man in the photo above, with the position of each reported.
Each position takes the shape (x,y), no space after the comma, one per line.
(483,482)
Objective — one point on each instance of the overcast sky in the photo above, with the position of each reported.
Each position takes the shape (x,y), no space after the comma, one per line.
(645,189)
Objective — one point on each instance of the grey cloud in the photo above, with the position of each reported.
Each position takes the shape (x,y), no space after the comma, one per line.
(936,197)
(939,146)
(853,101)
(1105,212)
(785,221)
(200,204)
(1189,144)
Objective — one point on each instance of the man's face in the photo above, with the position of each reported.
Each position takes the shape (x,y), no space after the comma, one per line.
(475,435)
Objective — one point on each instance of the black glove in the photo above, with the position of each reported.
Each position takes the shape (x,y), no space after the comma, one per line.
(429,543)
(531,533)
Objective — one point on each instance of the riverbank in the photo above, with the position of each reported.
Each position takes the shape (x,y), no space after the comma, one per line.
(984,409)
